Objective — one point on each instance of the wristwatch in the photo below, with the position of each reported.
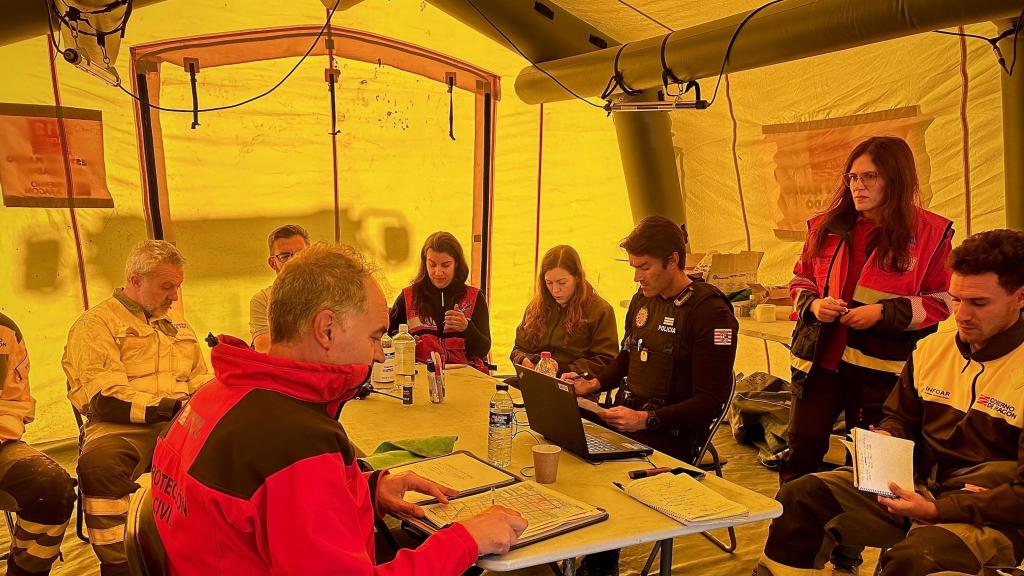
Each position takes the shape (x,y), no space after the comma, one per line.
(652,420)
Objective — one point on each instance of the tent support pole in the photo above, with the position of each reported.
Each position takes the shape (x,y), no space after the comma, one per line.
(649,163)
(152,190)
(1013,129)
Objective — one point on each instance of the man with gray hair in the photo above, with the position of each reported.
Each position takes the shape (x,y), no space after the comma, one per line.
(257,476)
(130,362)
(284,243)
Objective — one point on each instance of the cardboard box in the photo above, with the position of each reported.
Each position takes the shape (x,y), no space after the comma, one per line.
(776,295)
(734,272)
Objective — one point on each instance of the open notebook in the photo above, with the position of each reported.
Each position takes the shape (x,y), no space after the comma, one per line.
(684,499)
(481,485)
(879,459)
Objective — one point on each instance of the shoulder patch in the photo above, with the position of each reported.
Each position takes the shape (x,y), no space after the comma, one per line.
(723,336)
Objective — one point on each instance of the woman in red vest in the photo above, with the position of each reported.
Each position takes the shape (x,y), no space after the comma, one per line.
(444,313)
(870,283)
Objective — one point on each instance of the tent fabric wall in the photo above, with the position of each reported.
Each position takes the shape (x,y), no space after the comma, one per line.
(244,171)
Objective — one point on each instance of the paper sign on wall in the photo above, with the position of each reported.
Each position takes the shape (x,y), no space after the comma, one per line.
(32,168)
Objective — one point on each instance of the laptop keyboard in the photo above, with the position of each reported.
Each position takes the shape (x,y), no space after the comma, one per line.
(595,444)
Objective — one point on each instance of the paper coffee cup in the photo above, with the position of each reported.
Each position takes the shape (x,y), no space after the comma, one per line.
(545,463)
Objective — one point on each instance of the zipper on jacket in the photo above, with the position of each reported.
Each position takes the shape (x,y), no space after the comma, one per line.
(974,384)
(831,263)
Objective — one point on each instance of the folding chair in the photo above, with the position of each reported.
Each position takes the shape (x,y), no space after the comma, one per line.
(10,530)
(146,554)
(79,509)
(717,468)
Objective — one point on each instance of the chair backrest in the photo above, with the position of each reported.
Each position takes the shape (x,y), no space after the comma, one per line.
(146,554)
(717,422)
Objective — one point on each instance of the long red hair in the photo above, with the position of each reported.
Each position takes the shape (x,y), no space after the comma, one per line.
(898,211)
(543,304)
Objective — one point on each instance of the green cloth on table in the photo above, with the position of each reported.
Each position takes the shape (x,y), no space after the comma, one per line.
(397,452)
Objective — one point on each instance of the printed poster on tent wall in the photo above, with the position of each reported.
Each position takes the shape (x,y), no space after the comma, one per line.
(32,167)
(810,156)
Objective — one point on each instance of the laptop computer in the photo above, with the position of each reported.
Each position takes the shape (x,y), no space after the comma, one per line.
(553,412)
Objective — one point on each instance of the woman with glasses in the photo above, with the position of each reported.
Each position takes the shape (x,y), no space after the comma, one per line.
(445,314)
(566,318)
(871,282)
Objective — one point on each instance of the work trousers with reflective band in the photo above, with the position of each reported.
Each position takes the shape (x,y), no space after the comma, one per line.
(113,457)
(823,510)
(42,495)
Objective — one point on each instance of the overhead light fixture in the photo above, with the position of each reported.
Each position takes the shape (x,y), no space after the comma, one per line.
(660,106)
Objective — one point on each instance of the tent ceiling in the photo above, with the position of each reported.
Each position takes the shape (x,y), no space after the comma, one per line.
(631,20)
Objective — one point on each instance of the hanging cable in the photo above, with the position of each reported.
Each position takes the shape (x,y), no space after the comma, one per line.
(1016,34)
(732,41)
(683,86)
(994,42)
(616,81)
(247,100)
(527,58)
(331,75)
(193,65)
(451,106)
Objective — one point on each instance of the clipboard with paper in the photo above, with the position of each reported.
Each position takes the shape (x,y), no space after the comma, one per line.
(548,513)
(461,471)
(481,485)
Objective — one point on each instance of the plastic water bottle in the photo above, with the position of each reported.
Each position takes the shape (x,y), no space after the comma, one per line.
(385,373)
(499,428)
(405,352)
(547,365)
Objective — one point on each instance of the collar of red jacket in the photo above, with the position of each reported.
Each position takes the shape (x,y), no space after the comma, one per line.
(236,365)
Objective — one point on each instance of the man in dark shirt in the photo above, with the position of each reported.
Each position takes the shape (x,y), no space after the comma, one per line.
(677,355)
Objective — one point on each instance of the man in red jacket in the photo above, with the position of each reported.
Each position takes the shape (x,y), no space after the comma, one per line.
(256,476)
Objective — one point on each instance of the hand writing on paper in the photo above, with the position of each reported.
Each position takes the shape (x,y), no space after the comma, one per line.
(910,504)
(862,317)
(455,321)
(624,419)
(392,487)
(495,529)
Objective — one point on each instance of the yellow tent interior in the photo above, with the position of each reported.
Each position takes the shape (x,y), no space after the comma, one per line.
(751,168)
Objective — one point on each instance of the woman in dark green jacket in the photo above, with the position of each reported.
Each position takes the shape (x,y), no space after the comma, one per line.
(566,318)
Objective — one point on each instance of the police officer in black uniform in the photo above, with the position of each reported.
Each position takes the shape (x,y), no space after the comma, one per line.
(676,357)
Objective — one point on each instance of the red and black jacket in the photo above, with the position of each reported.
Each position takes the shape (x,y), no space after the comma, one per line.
(913,302)
(256,476)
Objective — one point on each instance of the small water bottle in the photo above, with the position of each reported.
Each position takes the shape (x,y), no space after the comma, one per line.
(407,388)
(384,373)
(499,427)
(547,365)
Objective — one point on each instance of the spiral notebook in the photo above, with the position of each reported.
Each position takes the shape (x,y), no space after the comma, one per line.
(879,459)
(684,499)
